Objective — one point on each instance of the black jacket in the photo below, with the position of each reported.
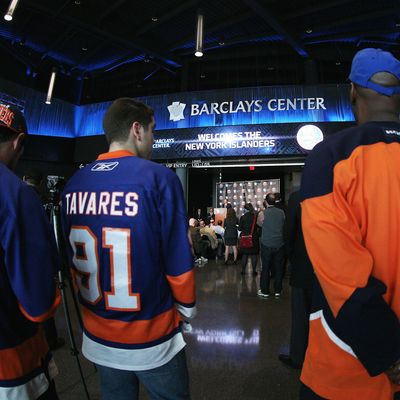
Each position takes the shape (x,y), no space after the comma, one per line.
(302,274)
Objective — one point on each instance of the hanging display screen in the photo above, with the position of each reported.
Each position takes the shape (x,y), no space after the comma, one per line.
(241,140)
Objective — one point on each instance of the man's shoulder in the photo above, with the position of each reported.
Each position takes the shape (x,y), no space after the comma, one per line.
(10,182)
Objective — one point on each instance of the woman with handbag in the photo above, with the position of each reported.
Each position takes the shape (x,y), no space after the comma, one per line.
(249,238)
(231,234)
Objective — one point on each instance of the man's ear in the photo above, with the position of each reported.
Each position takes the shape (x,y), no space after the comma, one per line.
(136,130)
(18,142)
(353,94)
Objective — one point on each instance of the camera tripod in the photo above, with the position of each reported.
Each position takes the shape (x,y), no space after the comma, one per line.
(53,210)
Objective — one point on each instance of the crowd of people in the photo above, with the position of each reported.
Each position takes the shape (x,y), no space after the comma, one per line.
(132,256)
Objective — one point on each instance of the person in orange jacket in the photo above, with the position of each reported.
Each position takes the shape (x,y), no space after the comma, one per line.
(351,218)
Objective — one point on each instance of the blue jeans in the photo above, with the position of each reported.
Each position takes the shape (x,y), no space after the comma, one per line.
(168,382)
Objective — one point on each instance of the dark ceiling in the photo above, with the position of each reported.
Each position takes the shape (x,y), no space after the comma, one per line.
(106,49)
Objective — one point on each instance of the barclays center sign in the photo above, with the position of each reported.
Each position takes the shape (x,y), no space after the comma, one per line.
(248,106)
(177,109)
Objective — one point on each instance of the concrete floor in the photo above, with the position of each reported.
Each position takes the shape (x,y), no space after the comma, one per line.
(232,348)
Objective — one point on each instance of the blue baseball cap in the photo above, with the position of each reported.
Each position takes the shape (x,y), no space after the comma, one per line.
(369,62)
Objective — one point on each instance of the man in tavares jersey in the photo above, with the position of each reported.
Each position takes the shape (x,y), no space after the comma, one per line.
(28,265)
(126,224)
(351,223)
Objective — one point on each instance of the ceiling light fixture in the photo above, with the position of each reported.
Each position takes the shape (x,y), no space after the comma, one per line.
(199,36)
(146,58)
(51,85)
(11,9)
(309,30)
(154,19)
(338,63)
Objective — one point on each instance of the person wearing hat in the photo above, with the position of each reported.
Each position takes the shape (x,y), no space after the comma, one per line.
(353,243)
(28,265)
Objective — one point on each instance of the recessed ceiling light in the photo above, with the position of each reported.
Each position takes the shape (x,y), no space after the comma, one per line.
(397,24)
(338,63)
(154,19)
(309,30)
(270,68)
(202,76)
(77,2)
(84,48)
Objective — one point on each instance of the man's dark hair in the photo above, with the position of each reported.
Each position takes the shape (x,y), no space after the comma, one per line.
(249,207)
(270,199)
(121,115)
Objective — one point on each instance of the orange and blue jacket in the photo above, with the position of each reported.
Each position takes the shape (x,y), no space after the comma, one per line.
(351,224)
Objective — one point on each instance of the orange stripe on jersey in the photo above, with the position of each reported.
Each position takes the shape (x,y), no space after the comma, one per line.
(183,287)
(135,332)
(328,370)
(115,154)
(24,358)
(48,314)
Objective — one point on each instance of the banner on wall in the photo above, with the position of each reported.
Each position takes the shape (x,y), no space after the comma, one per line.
(234,107)
(241,141)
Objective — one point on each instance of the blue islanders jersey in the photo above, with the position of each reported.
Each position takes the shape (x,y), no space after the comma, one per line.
(28,294)
(126,226)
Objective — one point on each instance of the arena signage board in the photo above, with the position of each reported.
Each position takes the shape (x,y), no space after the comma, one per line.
(233,107)
(241,140)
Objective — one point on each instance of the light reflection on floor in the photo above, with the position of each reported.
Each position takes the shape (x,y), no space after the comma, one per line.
(234,341)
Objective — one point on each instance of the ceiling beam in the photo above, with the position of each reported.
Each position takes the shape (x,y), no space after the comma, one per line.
(102,33)
(259,10)
(321,6)
(357,18)
(350,35)
(5,45)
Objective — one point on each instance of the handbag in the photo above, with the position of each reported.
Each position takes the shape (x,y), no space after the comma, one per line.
(246,241)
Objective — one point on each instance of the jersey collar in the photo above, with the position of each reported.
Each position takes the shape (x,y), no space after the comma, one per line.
(115,154)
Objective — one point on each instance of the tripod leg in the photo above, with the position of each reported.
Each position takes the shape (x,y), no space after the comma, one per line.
(74,349)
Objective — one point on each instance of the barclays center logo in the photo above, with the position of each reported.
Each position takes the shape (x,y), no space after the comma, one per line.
(176,111)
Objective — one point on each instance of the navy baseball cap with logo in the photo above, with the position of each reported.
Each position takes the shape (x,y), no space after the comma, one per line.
(369,62)
(12,119)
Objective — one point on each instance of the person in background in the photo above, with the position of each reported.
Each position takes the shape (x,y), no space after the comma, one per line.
(350,195)
(272,247)
(301,282)
(210,215)
(246,224)
(130,253)
(29,263)
(208,232)
(279,203)
(219,231)
(231,234)
(200,246)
